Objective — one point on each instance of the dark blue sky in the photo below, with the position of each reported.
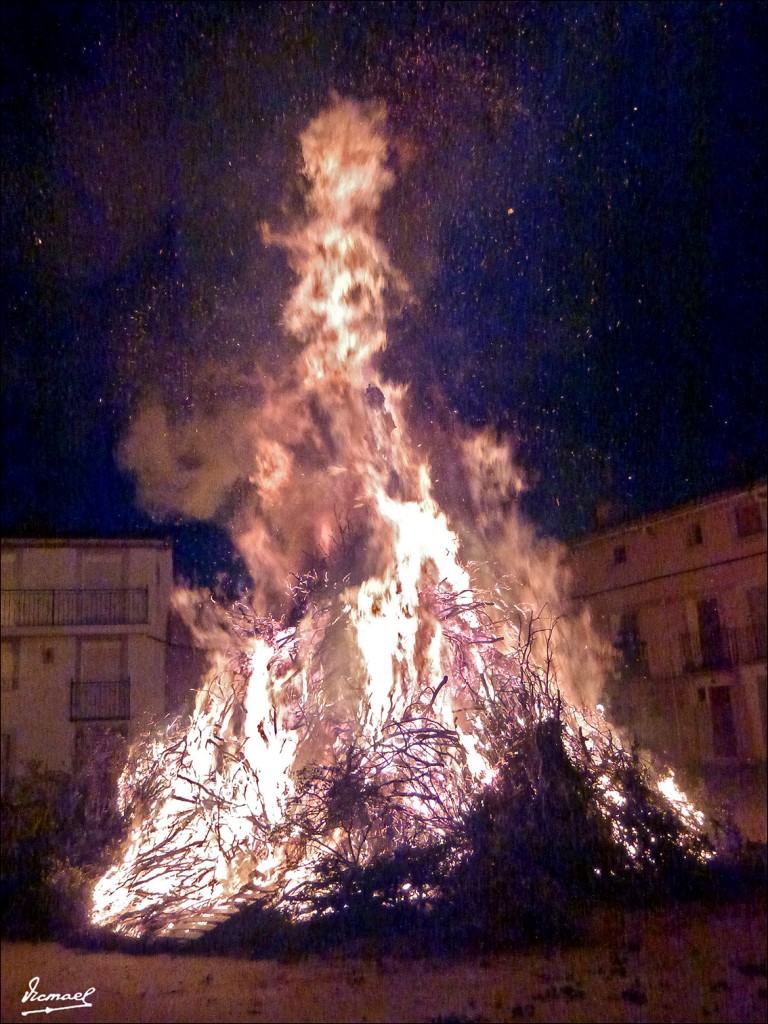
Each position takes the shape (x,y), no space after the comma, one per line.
(580,210)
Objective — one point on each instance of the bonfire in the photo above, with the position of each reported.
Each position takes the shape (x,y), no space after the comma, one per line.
(364,740)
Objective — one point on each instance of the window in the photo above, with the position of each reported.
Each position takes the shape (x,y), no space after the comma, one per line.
(724,742)
(9,570)
(9,675)
(102,691)
(619,554)
(712,637)
(628,640)
(695,535)
(9,580)
(757,603)
(101,570)
(7,755)
(749,518)
(102,658)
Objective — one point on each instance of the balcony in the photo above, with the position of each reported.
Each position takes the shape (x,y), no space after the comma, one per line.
(123,607)
(727,648)
(99,701)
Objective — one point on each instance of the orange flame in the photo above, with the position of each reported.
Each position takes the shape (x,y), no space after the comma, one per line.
(390,667)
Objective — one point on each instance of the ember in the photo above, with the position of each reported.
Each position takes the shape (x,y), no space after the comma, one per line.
(397,703)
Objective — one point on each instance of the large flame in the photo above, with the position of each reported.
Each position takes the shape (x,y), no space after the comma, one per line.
(392,663)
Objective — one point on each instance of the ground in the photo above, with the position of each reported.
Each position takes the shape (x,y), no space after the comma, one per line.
(684,963)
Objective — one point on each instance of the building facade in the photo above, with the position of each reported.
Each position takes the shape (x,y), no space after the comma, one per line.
(84,646)
(682,596)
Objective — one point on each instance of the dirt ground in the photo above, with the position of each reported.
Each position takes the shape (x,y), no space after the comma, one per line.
(684,964)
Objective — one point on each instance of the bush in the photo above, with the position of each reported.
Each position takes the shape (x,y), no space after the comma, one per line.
(57,831)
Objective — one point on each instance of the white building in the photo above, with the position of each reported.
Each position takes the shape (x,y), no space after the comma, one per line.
(682,595)
(84,645)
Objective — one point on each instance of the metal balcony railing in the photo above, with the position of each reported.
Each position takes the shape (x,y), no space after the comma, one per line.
(123,607)
(99,700)
(725,649)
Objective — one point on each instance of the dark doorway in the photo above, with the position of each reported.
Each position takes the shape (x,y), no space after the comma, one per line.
(723,723)
(713,652)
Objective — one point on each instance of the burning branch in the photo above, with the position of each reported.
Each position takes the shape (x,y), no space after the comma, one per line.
(400,792)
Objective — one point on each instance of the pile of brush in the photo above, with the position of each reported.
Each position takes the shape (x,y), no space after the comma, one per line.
(392,823)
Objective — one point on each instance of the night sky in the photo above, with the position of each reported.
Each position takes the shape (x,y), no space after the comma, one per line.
(580,210)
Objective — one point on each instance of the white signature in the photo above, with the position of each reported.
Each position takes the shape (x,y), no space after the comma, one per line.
(75,1002)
